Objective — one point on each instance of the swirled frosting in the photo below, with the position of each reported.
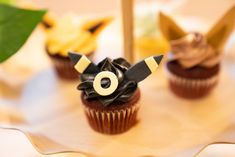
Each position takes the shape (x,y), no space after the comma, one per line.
(125,90)
(71,33)
(194,50)
(68,35)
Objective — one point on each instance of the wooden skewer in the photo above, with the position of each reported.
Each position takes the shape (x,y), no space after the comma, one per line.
(127,20)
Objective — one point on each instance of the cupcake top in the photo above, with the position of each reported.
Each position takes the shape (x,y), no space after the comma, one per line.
(192,50)
(112,80)
(195,49)
(70,34)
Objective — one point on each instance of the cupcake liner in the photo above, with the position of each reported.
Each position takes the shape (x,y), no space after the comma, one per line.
(112,122)
(191,88)
(64,68)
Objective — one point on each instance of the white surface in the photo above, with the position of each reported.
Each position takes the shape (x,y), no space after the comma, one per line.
(56,94)
(14,144)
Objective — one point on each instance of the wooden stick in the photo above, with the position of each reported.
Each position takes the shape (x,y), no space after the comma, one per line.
(127,20)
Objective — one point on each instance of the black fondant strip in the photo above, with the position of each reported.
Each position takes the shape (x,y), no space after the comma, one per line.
(46,24)
(138,72)
(91,68)
(74,57)
(158,59)
(95,27)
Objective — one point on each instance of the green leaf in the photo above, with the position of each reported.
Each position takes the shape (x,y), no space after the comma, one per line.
(16,25)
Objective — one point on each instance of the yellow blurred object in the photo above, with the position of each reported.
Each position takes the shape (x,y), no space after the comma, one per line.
(169,28)
(149,41)
(70,34)
(148,46)
(95,26)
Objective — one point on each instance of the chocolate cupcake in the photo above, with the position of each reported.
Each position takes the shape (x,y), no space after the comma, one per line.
(110,93)
(68,35)
(193,65)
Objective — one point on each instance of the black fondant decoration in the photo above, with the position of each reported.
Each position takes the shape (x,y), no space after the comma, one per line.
(140,70)
(128,77)
(75,57)
(125,90)
(95,27)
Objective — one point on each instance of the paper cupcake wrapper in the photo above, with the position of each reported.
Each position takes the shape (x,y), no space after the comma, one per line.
(191,88)
(112,122)
(64,68)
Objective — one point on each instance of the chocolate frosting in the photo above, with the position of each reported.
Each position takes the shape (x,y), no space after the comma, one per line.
(126,88)
(194,50)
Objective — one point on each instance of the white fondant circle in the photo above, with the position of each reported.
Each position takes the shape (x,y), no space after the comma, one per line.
(113,83)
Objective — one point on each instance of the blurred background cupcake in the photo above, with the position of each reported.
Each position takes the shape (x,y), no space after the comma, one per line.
(194,60)
(71,34)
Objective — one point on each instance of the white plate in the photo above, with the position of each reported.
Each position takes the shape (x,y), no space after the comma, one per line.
(168,125)
(53,120)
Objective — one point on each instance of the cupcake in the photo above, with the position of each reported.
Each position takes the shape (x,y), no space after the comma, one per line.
(69,35)
(194,61)
(110,93)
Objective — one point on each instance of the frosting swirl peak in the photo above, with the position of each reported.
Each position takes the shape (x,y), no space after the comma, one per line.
(194,50)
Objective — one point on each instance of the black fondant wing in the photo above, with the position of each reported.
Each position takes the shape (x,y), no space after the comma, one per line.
(141,70)
(75,58)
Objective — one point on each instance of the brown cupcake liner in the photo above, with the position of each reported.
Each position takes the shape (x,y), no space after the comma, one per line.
(191,88)
(64,68)
(112,122)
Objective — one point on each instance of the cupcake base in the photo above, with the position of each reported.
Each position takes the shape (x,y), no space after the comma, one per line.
(191,83)
(64,67)
(114,119)
(191,89)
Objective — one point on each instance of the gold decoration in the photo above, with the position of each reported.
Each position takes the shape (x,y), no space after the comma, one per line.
(169,28)
(67,35)
(220,32)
